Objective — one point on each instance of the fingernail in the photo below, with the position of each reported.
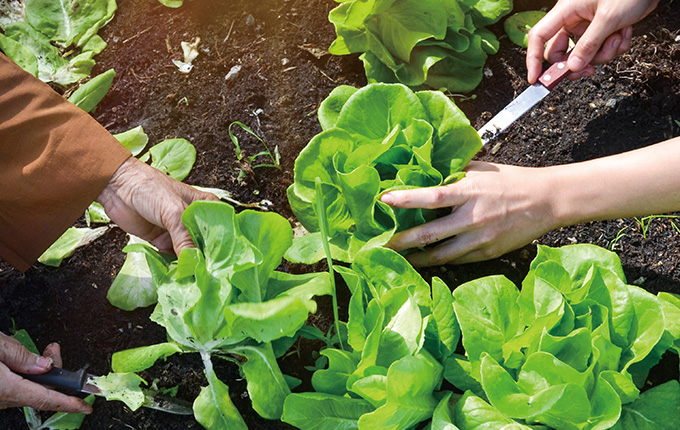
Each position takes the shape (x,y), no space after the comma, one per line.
(43,362)
(616,43)
(628,32)
(576,63)
(387,198)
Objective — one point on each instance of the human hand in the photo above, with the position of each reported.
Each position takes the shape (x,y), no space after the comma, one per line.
(16,391)
(149,204)
(602,27)
(497,208)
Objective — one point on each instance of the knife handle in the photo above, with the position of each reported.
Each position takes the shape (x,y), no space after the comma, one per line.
(554,75)
(60,378)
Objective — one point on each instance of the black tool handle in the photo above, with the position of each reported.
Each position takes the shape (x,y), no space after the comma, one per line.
(60,378)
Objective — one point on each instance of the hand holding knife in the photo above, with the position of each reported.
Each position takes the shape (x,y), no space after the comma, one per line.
(79,381)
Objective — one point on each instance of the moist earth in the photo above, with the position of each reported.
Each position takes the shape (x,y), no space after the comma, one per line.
(284,73)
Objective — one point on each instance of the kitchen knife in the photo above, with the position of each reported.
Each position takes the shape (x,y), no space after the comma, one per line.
(525,101)
(80,381)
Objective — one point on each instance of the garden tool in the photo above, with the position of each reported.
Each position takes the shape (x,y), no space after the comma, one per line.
(80,381)
(525,101)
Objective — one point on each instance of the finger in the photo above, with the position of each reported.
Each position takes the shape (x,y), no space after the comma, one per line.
(444,253)
(557,48)
(179,235)
(539,35)
(609,50)
(429,198)
(163,242)
(53,351)
(19,359)
(431,232)
(626,40)
(26,393)
(590,42)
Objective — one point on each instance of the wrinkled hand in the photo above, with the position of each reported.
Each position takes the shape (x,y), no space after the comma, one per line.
(496,208)
(602,27)
(16,391)
(149,204)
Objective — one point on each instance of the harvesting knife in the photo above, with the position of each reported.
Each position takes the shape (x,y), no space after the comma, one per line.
(525,101)
(80,381)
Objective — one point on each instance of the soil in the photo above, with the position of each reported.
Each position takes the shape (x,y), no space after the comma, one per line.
(285,72)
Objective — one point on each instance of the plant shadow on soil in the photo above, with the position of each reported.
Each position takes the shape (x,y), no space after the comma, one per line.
(631,102)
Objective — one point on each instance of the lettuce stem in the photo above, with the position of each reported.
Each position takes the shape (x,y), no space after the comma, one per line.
(323,225)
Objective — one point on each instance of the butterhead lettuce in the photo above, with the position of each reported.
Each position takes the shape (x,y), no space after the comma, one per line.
(379,138)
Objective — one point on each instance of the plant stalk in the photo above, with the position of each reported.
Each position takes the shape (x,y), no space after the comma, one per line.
(323,225)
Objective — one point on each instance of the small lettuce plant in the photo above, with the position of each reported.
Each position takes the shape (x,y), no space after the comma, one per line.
(441,44)
(225,299)
(571,350)
(375,139)
(400,331)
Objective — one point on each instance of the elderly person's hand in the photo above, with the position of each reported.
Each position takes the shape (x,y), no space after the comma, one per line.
(602,29)
(149,204)
(16,391)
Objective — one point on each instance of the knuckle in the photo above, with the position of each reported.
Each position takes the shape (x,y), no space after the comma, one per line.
(438,196)
(425,237)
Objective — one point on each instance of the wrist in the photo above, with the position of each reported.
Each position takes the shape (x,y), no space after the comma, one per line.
(116,181)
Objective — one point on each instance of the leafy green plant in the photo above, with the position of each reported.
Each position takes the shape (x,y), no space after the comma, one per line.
(88,96)
(517,26)
(645,222)
(375,139)
(225,299)
(617,239)
(45,36)
(274,157)
(571,350)
(436,43)
(400,332)
(172,3)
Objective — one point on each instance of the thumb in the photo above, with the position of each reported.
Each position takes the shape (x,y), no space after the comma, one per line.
(19,359)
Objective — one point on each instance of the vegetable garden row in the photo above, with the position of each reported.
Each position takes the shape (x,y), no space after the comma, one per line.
(272,328)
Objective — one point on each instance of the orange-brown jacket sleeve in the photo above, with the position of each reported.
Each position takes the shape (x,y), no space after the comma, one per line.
(55,159)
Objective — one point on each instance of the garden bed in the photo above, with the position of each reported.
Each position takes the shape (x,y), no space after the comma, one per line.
(285,72)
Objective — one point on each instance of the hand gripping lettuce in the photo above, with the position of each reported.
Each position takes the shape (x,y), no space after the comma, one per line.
(379,138)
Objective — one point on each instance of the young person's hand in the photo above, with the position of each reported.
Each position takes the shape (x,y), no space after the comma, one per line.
(149,204)
(16,391)
(603,29)
(496,208)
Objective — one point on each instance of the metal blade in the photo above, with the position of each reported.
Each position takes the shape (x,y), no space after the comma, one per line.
(153,400)
(512,112)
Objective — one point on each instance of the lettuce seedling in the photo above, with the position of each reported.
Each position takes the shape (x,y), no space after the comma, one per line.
(400,332)
(224,298)
(379,138)
(436,43)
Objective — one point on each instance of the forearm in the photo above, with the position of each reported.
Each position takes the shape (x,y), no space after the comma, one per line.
(641,182)
(55,160)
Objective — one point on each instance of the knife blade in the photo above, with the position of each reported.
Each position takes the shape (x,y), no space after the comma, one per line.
(525,101)
(80,381)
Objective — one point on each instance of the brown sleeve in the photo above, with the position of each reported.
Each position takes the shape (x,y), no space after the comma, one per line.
(55,159)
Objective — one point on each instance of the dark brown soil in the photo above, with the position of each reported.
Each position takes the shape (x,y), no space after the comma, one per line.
(285,74)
